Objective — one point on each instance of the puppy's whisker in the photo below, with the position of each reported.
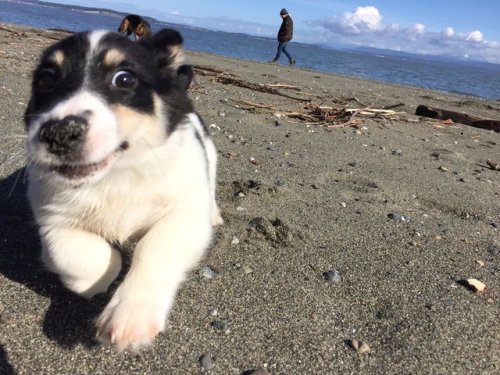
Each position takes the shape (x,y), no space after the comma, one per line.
(11,191)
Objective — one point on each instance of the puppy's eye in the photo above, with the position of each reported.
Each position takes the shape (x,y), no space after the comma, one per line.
(46,79)
(123,79)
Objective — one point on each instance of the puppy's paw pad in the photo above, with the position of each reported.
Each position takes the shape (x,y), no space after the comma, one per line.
(130,325)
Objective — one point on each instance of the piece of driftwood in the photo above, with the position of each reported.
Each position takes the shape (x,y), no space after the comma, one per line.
(207,71)
(493,165)
(463,118)
(284,86)
(227,80)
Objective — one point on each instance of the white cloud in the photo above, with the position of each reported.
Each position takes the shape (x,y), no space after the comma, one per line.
(365,26)
(418,28)
(361,20)
(475,36)
(448,32)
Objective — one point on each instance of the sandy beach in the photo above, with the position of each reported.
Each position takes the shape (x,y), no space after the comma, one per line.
(363,228)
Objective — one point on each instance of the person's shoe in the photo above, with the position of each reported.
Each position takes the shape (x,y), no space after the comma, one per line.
(292,62)
(272,61)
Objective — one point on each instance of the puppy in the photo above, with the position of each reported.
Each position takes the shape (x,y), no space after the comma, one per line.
(134,24)
(116,153)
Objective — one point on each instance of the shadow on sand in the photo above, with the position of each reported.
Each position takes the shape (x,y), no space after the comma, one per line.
(69,318)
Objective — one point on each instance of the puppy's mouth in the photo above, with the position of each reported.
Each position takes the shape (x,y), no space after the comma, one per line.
(79,171)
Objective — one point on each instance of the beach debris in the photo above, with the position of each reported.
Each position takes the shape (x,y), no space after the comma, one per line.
(495,249)
(221,325)
(235,240)
(397,216)
(332,276)
(493,165)
(208,273)
(463,118)
(360,347)
(474,285)
(228,79)
(207,362)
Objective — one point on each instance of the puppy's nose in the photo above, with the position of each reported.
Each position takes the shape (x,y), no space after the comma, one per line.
(64,136)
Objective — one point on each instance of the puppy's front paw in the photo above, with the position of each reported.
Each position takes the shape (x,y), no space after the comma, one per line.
(130,323)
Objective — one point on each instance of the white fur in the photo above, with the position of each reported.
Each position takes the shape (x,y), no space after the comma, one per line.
(159,193)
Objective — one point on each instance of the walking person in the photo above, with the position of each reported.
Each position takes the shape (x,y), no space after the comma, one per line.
(285,34)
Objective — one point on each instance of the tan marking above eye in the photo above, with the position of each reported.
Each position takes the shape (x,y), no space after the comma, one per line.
(113,57)
(58,57)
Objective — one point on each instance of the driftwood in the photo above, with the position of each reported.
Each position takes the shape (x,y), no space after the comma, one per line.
(226,80)
(463,118)
(493,165)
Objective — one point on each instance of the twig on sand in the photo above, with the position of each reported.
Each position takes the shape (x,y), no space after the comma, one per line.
(284,86)
(227,80)
(493,165)
(249,104)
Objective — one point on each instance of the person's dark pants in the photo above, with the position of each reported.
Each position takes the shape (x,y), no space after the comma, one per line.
(282,48)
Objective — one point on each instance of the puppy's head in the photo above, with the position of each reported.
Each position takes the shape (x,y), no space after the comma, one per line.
(129,24)
(100,100)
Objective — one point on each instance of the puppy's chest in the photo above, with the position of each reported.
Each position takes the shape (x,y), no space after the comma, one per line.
(117,217)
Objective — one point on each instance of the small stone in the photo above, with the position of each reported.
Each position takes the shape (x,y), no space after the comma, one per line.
(397,152)
(475,285)
(235,241)
(360,346)
(213,312)
(247,270)
(222,114)
(480,262)
(6,318)
(207,362)
(208,273)
(495,250)
(220,325)
(332,276)
(343,204)
(443,169)
(397,216)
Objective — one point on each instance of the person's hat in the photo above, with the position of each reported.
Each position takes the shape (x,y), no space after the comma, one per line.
(283,12)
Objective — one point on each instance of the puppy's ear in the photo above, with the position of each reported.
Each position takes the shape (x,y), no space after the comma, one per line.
(167,44)
(124,25)
(185,75)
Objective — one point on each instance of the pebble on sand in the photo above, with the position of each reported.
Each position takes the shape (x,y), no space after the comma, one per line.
(207,362)
(397,216)
(332,276)
(208,272)
(360,346)
(475,285)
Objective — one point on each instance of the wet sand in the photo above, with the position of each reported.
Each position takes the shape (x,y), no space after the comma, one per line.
(403,208)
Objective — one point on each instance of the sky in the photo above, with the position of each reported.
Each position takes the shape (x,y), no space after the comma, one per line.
(464,29)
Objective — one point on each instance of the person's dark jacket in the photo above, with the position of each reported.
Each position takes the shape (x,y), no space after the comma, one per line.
(285,32)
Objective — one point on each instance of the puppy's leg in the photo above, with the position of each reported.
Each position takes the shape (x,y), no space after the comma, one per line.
(85,262)
(139,307)
(212,171)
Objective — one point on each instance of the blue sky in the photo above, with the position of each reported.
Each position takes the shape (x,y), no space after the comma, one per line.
(467,29)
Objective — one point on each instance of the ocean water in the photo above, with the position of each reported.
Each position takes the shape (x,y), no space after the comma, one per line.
(476,80)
